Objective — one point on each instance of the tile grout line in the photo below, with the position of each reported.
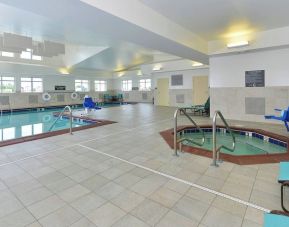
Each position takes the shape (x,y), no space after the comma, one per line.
(182,181)
(78,143)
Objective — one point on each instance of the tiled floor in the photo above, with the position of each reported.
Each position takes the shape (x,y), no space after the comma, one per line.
(77,181)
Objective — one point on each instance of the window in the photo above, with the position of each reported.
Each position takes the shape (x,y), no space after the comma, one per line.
(25,55)
(36,58)
(30,84)
(81,85)
(145,84)
(7,84)
(7,54)
(100,85)
(126,85)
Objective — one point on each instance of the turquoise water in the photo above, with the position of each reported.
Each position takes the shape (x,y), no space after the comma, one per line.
(245,145)
(17,125)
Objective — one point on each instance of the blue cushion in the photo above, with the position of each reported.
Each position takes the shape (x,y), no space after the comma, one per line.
(283,171)
(274,220)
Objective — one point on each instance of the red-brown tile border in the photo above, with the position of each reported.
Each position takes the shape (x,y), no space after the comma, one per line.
(96,123)
(168,136)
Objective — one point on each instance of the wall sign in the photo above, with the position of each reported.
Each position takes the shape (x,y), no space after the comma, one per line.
(255,78)
(59,88)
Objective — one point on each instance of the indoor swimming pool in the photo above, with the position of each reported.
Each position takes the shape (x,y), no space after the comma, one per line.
(28,123)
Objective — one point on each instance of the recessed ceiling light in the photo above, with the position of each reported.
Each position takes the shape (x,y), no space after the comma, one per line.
(64,71)
(238,44)
(157,68)
(195,64)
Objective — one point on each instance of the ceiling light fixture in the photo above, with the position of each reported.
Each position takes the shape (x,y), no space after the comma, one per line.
(196,64)
(157,68)
(139,73)
(238,44)
(64,71)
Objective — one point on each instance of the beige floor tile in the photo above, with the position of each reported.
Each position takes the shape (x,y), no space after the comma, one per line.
(109,190)
(106,215)
(65,216)
(17,219)
(127,200)
(165,196)
(84,222)
(149,212)
(200,195)
(127,180)
(219,218)
(230,206)
(247,223)
(46,206)
(34,196)
(191,208)
(130,221)
(87,203)
(73,193)
(95,182)
(173,219)
(177,186)
(254,215)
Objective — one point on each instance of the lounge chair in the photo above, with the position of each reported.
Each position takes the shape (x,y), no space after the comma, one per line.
(88,104)
(284,180)
(284,116)
(276,219)
(202,109)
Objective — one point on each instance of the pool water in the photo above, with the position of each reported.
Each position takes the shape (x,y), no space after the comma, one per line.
(28,123)
(245,145)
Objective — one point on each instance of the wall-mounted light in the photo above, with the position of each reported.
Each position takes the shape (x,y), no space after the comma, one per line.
(238,44)
(139,73)
(196,64)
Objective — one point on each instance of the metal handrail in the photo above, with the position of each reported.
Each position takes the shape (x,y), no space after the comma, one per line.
(176,141)
(216,150)
(60,115)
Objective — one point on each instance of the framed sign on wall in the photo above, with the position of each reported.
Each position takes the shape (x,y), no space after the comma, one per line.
(177,80)
(59,88)
(255,78)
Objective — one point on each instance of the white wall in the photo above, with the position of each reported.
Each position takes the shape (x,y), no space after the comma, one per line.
(229,71)
(227,84)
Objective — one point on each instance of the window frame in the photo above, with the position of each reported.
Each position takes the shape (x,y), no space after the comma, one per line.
(1,84)
(33,81)
(81,82)
(126,85)
(102,85)
(145,82)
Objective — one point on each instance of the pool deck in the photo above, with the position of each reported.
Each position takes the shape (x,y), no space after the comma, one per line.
(124,174)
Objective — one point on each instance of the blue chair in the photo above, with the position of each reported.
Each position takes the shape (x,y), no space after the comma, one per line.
(89,104)
(284,116)
(276,218)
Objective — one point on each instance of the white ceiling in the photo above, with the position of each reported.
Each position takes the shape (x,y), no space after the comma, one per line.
(81,41)
(107,42)
(210,19)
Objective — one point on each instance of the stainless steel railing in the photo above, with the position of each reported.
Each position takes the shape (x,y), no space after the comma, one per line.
(60,115)
(216,151)
(176,140)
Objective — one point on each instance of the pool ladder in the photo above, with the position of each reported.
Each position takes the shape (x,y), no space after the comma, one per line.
(179,141)
(60,115)
(216,151)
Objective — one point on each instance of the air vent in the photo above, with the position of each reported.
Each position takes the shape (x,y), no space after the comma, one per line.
(255,106)
(33,99)
(180,98)
(4,100)
(60,98)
